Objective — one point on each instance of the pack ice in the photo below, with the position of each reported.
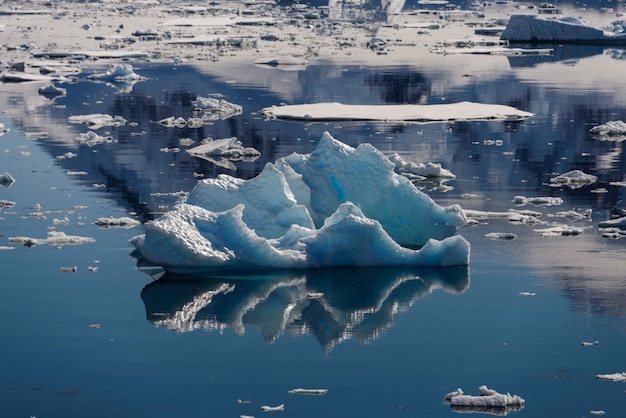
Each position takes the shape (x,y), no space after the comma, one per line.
(338,206)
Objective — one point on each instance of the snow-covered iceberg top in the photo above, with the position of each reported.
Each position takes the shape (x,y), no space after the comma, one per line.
(405,112)
(338,206)
(543,29)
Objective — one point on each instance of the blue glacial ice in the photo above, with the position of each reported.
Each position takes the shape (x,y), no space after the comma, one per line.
(338,206)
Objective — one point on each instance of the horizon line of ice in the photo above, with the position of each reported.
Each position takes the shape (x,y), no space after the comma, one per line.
(338,206)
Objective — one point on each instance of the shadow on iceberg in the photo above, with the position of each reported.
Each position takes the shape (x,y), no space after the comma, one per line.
(334,304)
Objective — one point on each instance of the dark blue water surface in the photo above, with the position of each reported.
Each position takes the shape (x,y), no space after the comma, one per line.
(384,342)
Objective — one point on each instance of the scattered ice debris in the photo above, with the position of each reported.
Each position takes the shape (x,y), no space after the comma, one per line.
(610,131)
(486,398)
(574,179)
(180,122)
(590,344)
(527,294)
(6,180)
(615,377)
(227,148)
(52,91)
(307,211)
(614,223)
(72,269)
(300,391)
(97,120)
(501,235)
(537,201)
(219,107)
(117,73)
(562,230)
(266,408)
(614,233)
(423,170)
(122,222)
(170,150)
(408,112)
(66,155)
(567,29)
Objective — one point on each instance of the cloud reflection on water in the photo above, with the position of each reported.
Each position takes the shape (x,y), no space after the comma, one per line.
(334,305)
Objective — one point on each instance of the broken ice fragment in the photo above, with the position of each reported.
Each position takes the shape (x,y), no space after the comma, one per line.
(266,408)
(301,391)
(6,180)
(574,179)
(615,377)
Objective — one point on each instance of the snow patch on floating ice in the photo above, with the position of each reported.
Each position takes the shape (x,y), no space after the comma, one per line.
(338,206)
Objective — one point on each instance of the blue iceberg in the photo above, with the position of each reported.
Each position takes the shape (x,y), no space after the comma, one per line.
(338,206)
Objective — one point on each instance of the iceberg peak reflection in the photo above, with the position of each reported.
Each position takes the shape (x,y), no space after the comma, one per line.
(334,305)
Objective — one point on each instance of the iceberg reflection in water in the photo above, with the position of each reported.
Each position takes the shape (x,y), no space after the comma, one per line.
(333,304)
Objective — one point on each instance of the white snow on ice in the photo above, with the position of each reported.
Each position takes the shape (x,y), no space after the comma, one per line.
(338,206)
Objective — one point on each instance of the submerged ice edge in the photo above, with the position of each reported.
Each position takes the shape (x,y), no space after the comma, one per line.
(338,206)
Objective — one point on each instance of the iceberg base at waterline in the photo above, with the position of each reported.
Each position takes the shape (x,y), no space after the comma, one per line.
(338,206)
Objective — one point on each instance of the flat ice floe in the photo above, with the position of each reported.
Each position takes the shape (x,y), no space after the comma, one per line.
(407,112)
(338,206)
(487,398)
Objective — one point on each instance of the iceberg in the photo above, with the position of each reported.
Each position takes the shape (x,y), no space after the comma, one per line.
(614,130)
(488,401)
(338,206)
(544,29)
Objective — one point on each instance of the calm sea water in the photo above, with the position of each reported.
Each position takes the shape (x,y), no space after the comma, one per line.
(384,342)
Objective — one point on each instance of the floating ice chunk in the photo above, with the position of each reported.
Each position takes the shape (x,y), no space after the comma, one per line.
(19,77)
(486,398)
(597,412)
(454,393)
(416,113)
(217,106)
(501,235)
(117,72)
(610,131)
(614,223)
(172,121)
(590,344)
(513,216)
(122,222)
(537,201)
(97,120)
(574,179)
(266,408)
(230,148)
(559,230)
(572,215)
(615,377)
(527,294)
(307,211)
(91,139)
(6,180)
(300,391)
(56,238)
(52,91)
(410,169)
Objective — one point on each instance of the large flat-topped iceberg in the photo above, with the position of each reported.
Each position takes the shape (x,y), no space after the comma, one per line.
(405,112)
(540,29)
(338,206)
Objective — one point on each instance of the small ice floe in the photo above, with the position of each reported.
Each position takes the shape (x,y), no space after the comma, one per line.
(72,269)
(500,235)
(597,412)
(610,131)
(513,216)
(572,215)
(615,377)
(300,391)
(614,223)
(3,129)
(315,295)
(122,222)
(537,201)
(527,294)
(562,230)
(66,155)
(92,139)
(266,408)
(118,72)
(52,91)
(21,77)
(97,120)
(574,179)
(174,122)
(228,148)
(590,344)
(56,238)
(428,170)
(218,107)
(6,180)
(405,112)
(487,398)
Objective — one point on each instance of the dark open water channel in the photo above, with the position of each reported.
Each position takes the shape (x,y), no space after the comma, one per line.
(384,342)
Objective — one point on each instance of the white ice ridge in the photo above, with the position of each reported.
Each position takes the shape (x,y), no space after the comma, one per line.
(404,112)
(338,206)
(486,398)
(529,28)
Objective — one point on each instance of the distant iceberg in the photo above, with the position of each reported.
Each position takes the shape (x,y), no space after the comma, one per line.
(338,206)
(543,29)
